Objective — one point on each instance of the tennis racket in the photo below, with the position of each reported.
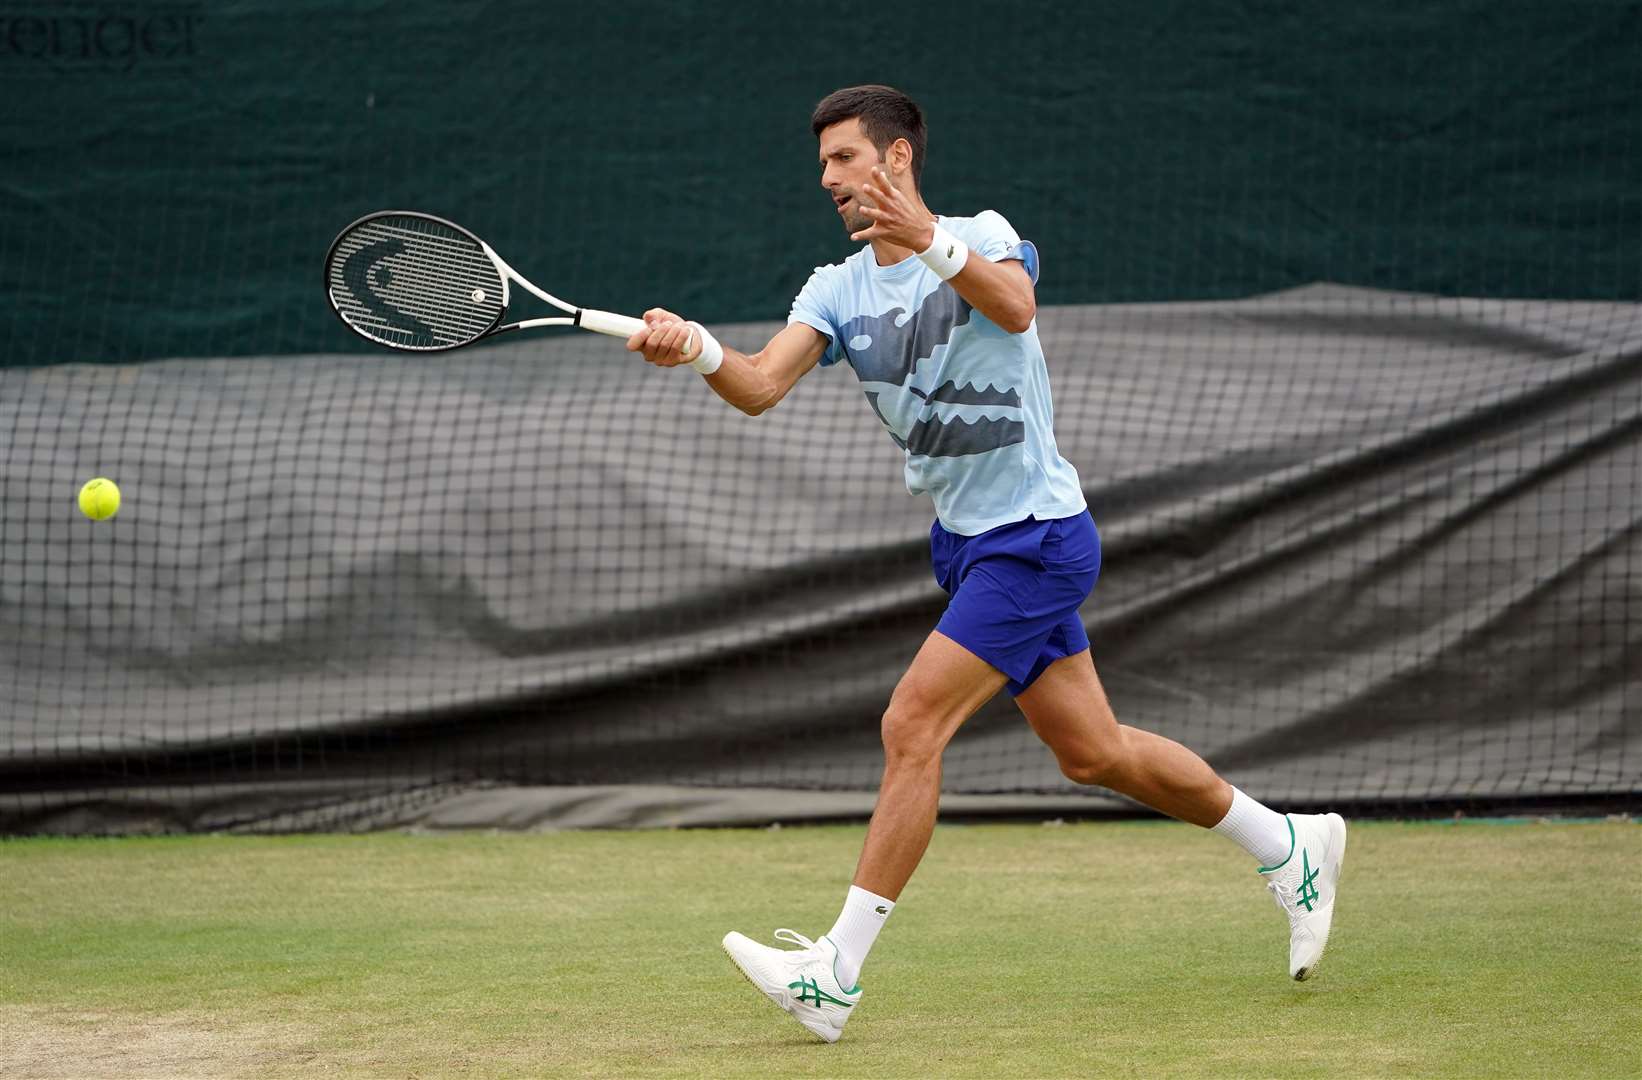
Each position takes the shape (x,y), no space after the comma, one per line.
(417,282)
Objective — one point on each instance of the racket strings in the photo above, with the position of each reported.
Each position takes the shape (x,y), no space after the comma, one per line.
(412,283)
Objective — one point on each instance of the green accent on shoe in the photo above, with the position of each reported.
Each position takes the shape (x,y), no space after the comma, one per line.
(856,989)
(1308,891)
(808,987)
(1290,855)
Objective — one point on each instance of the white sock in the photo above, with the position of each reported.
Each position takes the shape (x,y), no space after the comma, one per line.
(1263,833)
(855,931)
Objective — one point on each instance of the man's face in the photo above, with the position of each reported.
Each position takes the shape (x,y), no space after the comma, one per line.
(847,158)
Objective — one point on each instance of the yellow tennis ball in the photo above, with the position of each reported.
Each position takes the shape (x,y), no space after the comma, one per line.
(99,499)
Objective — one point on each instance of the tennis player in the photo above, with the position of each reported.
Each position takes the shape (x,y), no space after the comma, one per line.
(936,316)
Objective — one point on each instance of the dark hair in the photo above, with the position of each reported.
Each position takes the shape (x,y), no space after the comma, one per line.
(886,114)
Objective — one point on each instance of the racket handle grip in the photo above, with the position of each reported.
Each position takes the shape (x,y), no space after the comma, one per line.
(605,322)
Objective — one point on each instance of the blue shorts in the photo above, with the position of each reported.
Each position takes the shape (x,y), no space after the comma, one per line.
(1016,591)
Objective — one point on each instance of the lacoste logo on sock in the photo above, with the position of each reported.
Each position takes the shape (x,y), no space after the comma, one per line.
(881,909)
(950,248)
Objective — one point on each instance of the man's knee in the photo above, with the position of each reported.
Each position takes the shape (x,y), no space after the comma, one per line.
(1096,763)
(913,734)
(1093,772)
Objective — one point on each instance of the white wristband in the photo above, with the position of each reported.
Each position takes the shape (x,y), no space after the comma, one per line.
(945,255)
(709,353)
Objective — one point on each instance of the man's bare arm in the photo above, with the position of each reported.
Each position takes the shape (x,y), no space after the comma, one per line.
(1002,291)
(752,383)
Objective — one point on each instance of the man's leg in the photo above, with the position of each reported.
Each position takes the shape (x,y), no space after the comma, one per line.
(1300,855)
(816,983)
(945,685)
(1068,709)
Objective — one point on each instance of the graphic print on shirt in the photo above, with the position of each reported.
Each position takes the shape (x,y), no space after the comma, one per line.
(888,349)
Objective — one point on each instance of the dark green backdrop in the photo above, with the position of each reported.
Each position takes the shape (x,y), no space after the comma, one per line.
(173,173)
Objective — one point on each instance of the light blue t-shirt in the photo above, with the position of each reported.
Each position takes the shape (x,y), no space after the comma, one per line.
(967,400)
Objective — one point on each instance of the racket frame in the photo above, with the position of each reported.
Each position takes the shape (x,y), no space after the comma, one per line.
(600,322)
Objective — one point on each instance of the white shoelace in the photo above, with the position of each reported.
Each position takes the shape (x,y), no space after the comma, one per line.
(1287,895)
(1283,893)
(795,937)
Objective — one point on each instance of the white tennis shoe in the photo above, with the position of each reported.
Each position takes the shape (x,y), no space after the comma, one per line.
(802,981)
(1303,885)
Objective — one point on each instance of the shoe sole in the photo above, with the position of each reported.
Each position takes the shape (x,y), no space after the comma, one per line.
(1339,868)
(765,994)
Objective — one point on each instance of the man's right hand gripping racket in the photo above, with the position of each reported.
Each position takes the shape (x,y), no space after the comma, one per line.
(423,284)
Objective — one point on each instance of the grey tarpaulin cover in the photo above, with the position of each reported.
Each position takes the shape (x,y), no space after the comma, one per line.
(1359,547)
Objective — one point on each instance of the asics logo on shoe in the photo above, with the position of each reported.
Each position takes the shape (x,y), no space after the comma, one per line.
(1308,892)
(808,990)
